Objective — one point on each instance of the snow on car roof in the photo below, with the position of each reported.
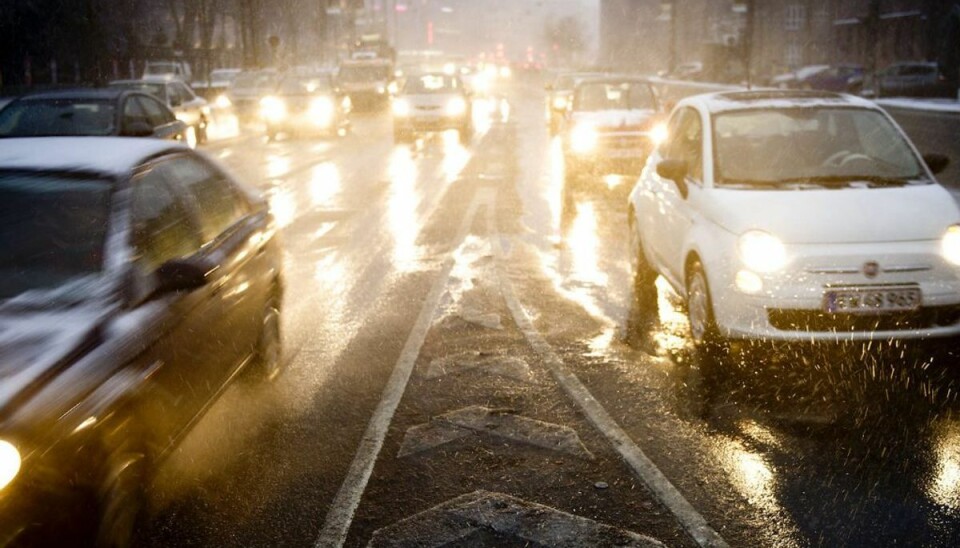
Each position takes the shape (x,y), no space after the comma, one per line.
(111,156)
(773,99)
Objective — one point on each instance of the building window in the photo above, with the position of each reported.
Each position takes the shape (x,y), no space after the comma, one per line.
(794,53)
(796,17)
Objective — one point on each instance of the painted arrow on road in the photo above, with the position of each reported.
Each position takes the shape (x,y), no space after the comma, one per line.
(493,422)
(482,514)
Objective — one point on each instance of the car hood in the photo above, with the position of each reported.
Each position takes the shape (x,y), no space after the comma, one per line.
(36,345)
(849,215)
(613,119)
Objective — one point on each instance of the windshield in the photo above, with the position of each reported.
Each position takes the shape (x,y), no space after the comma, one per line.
(47,117)
(432,83)
(810,144)
(614,96)
(52,230)
(157,90)
(303,86)
(362,74)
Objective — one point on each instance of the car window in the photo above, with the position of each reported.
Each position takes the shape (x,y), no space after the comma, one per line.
(133,112)
(162,228)
(220,206)
(686,142)
(52,230)
(184,92)
(157,114)
(47,117)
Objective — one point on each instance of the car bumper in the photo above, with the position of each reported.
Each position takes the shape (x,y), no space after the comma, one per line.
(430,123)
(790,305)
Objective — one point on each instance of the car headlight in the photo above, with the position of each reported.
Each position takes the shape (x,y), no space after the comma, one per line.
(505,72)
(392,88)
(659,134)
(456,107)
(950,245)
(584,138)
(559,103)
(9,463)
(273,108)
(223,101)
(401,108)
(321,110)
(381,89)
(762,252)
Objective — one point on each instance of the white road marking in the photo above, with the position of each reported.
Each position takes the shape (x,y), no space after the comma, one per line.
(643,467)
(340,515)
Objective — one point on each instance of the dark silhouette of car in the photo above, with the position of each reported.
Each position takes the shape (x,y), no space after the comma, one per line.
(137,281)
(911,79)
(90,113)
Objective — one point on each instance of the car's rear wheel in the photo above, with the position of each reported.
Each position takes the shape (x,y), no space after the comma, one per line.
(268,356)
(644,276)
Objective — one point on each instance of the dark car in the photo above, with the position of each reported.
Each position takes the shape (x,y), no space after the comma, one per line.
(913,79)
(840,78)
(248,89)
(185,104)
(306,105)
(90,113)
(137,280)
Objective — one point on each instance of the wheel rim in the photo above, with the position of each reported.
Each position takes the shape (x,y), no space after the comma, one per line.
(698,307)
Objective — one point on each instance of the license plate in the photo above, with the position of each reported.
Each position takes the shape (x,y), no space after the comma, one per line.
(872,300)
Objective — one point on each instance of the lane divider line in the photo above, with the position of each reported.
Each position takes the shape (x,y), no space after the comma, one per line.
(340,515)
(668,495)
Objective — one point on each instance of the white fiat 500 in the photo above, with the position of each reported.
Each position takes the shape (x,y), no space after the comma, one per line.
(797,216)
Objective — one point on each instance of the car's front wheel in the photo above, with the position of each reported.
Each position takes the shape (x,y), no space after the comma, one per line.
(644,276)
(703,324)
(121,492)
(268,357)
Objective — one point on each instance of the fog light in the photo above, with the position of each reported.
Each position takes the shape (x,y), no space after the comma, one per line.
(950,245)
(748,282)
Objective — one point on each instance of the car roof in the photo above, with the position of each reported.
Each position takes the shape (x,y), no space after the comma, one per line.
(109,156)
(78,93)
(772,99)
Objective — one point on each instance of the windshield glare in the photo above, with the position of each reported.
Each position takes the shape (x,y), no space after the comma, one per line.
(803,144)
(38,118)
(614,96)
(52,230)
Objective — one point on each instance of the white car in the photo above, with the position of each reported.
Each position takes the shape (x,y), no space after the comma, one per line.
(797,216)
(189,108)
(432,102)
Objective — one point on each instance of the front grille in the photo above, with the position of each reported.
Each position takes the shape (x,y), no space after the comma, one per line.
(817,320)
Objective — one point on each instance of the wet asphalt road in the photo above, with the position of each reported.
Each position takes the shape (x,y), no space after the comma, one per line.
(431,258)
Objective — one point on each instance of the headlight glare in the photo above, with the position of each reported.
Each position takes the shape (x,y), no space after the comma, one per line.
(456,107)
(584,138)
(321,111)
(762,252)
(659,134)
(273,108)
(223,101)
(559,103)
(9,463)
(950,245)
(401,107)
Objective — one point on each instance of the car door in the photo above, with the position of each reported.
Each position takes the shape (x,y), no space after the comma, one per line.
(233,241)
(165,124)
(176,326)
(676,213)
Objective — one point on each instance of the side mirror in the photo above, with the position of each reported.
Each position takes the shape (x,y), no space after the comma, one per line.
(936,162)
(676,171)
(182,275)
(137,129)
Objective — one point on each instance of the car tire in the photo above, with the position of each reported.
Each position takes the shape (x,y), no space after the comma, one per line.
(121,492)
(703,325)
(644,276)
(268,355)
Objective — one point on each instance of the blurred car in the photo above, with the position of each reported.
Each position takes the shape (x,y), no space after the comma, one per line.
(558,99)
(791,215)
(137,281)
(692,70)
(432,102)
(179,70)
(367,83)
(248,89)
(612,125)
(910,80)
(184,103)
(841,78)
(216,83)
(90,112)
(305,105)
